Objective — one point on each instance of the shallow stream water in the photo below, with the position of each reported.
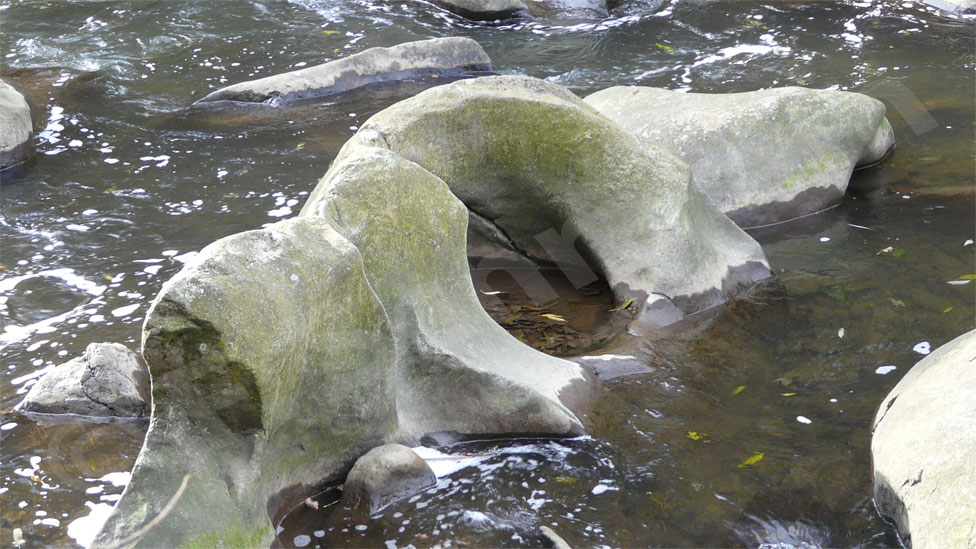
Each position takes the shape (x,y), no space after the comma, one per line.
(127,185)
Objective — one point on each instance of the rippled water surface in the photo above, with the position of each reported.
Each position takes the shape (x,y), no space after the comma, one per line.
(127,185)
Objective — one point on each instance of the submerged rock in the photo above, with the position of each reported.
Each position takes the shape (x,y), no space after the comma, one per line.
(16,128)
(924,448)
(564,183)
(492,10)
(764,156)
(384,475)
(440,56)
(107,380)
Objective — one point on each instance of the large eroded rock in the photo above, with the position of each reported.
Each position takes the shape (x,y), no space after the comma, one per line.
(457,369)
(451,56)
(107,380)
(924,449)
(764,156)
(16,130)
(550,171)
(384,475)
(272,366)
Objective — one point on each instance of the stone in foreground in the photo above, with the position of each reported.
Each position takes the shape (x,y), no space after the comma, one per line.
(384,475)
(565,184)
(440,56)
(108,380)
(16,129)
(765,156)
(272,369)
(924,449)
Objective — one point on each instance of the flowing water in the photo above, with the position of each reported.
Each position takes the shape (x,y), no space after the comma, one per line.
(127,185)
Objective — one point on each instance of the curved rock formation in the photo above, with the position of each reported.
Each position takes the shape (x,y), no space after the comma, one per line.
(924,448)
(764,156)
(557,178)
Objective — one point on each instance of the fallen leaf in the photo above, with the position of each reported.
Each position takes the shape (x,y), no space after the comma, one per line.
(836,291)
(300,146)
(897,302)
(750,461)
(694,435)
(330,32)
(787,394)
(897,253)
(111,190)
(887,250)
(109,277)
(566,480)
(947,309)
(738,389)
(664,47)
(622,307)
(968,277)
(551,316)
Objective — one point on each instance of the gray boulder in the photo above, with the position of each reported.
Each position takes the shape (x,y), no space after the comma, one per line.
(564,183)
(924,448)
(492,10)
(954,6)
(457,370)
(16,130)
(452,56)
(764,156)
(383,476)
(273,370)
(107,380)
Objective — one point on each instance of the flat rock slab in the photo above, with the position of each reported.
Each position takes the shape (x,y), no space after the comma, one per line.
(108,380)
(440,56)
(765,156)
(16,130)
(924,449)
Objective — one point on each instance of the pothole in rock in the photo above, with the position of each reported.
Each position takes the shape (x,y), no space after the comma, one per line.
(542,307)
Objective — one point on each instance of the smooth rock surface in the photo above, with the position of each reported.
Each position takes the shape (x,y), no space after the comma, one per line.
(440,56)
(108,380)
(16,130)
(457,370)
(273,369)
(563,182)
(924,449)
(384,475)
(765,156)
(484,10)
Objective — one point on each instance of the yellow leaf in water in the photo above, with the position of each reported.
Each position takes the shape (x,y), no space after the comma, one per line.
(565,480)
(947,309)
(887,250)
(622,307)
(664,47)
(750,461)
(695,435)
(300,146)
(330,32)
(897,302)
(738,389)
(111,190)
(557,318)
(787,394)
(968,277)
(109,277)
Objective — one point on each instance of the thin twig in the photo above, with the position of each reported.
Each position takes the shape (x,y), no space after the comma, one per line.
(156,521)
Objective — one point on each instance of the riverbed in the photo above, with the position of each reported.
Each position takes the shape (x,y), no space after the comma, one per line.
(752,425)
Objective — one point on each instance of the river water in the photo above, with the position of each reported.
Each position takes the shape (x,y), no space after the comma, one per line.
(127,186)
